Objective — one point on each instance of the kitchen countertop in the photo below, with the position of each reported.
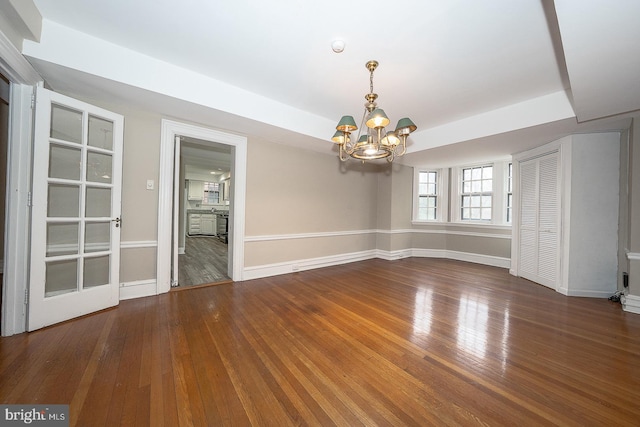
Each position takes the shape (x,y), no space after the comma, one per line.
(207,211)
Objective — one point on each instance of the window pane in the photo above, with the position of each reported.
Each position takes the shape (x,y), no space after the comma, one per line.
(486,213)
(98,202)
(100,133)
(476,186)
(96,271)
(475,201)
(486,201)
(63,201)
(487,172)
(61,277)
(431,188)
(487,186)
(99,167)
(422,188)
(431,214)
(62,239)
(64,162)
(475,213)
(476,173)
(97,236)
(66,124)
(466,174)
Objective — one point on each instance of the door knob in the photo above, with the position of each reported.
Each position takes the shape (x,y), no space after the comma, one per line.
(118,221)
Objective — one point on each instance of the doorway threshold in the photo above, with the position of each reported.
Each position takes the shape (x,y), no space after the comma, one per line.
(203,285)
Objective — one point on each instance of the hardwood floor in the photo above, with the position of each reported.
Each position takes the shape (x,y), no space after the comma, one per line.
(410,342)
(204,261)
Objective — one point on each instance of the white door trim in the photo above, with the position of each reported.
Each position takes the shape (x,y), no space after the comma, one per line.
(18,212)
(171,129)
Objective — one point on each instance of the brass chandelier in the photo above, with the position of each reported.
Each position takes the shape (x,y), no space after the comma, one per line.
(376,142)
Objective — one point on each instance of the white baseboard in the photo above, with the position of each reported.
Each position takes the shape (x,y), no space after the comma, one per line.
(138,289)
(630,303)
(269,270)
(586,292)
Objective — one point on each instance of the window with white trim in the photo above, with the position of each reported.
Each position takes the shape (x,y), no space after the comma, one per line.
(477,193)
(430,201)
(427,195)
(211,194)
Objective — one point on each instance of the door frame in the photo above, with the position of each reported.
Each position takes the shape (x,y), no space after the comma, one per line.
(171,129)
(23,78)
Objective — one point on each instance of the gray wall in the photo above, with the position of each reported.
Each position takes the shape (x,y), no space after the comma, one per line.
(300,205)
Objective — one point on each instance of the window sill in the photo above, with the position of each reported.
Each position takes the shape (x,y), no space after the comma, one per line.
(464,224)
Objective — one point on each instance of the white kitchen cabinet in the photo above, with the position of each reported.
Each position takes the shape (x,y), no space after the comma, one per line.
(202,224)
(208,224)
(194,224)
(196,190)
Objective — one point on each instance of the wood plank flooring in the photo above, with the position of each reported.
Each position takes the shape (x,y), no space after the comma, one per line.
(205,261)
(412,342)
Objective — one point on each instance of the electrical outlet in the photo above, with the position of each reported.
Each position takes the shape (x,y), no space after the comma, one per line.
(150,184)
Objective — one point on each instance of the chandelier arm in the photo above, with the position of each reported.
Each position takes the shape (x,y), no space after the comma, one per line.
(404,146)
(342,150)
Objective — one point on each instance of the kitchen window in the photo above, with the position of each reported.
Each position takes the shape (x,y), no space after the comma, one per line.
(211,193)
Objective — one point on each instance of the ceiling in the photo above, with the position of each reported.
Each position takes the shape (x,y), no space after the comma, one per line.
(480,79)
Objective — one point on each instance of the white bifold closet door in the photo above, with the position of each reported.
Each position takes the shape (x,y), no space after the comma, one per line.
(539,252)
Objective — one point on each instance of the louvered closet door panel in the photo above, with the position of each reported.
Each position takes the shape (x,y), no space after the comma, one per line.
(548,210)
(539,220)
(528,220)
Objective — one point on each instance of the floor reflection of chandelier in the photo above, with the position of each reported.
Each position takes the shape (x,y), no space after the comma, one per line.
(377,142)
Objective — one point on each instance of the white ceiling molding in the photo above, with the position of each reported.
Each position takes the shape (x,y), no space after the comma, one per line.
(534,112)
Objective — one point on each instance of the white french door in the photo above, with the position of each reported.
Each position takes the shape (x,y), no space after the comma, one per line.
(75,220)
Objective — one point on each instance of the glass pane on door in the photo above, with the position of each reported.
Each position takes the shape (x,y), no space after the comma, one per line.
(99,167)
(100,133)
(98,202)
(61,277)
(66,124)
(97,237)
(96,271)
(63,201)
(65,162)
(62,239)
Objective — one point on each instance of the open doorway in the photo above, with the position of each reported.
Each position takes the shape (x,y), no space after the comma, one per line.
(203,232)
(168,236)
